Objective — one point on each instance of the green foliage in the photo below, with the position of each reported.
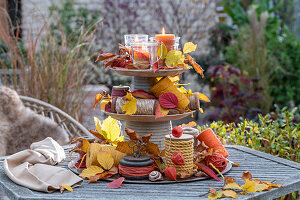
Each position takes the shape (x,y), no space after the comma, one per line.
(277,137)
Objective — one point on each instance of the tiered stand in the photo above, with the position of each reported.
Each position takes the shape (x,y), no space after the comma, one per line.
(144,124)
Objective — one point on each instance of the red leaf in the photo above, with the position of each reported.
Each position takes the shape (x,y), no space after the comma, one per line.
(178,158)
(160,111)
(104,56)
(170,172)
(116,183)
(177,131)
(168,100)
(142,94)
(208,171)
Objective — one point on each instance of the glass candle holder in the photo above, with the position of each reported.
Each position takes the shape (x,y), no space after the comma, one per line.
(173,45)
(144,54)
(133,38)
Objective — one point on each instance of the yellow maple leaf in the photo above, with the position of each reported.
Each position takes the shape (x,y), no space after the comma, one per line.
(162,51)
(203,97)
(130,106)
(174,58)
(232,186)
(230,193)
(91,171)
(67,187)
(105,160)
(218,195)
(249,186)
(189,47)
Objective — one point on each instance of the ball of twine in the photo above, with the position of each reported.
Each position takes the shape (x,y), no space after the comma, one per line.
(185,145)
(218,160)
(143,106)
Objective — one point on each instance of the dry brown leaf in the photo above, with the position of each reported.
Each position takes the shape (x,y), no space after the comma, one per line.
(132,134)
(124,147)
(247,175)
(97,135)
(146,138)
(95,178)
(153,149)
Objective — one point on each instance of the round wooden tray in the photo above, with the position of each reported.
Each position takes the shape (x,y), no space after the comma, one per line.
(146,181)
(147,118)
(148,72)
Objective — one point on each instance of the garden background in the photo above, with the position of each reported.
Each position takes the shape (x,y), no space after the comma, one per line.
(249,49)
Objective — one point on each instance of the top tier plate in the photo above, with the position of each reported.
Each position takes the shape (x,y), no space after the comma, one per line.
(148,72)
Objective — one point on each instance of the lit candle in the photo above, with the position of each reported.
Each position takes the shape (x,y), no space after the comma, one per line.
(167,39)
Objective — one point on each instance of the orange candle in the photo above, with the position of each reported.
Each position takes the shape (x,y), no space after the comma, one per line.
(167,39)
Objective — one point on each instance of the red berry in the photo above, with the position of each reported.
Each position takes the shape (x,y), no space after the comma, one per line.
(177,131)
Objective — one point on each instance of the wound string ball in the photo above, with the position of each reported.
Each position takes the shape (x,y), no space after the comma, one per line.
(194,101)
(217,160)
(143,106)
(183,144)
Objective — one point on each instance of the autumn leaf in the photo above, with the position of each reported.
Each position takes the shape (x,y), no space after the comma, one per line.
(103,103)
(247,176)
(67,187)
(202,97)
(104,56)
(105,160)
(124,147)
(162,51)
(189,47)
(208,171)
(130,106)
(97,135)
(218,195)
(174,79)
(132,134)
(117,155)
(232,185)
(174,58)
(116,183)
(95,178)
(249,186)
(230,193)
(91,155)
(152,149)
(229,180)
(261,187)
(85,143)
(212,190)
(142,94)
(91,171)
(146,138)
(197,67)
(160,111)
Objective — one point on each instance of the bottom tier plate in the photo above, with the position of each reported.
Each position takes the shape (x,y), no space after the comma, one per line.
(147,118)
(146,181)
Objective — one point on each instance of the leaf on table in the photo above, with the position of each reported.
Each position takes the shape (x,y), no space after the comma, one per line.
(116,183)
(230,193)
(105,160)
(270,184)
(91,171)
(152,149)
(212,190)
(218,195)
(202,97)
(142,94)
(247,176)
(249,186)
(261,187)
(197,67)
(97,177)
(162,51)
(146,138)
(229,180)
(189,47)
(130,106)
(160,111)
(170,172)
(67,187)
(124,147)
(132,134)
(232,185)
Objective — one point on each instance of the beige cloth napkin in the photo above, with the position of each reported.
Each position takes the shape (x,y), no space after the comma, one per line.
(33,168)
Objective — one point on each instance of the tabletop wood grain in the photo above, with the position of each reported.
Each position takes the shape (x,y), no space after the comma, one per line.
(262,166)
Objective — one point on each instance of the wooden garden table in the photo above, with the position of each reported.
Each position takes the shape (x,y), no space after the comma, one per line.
(262,166)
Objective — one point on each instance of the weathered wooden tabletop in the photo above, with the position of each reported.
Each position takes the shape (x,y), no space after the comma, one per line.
(262,166)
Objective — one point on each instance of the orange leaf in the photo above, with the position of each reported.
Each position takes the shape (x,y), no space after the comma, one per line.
(160,111)
(124,147)
(229,180)
(247,175)
(202,97)
(116,184)
(146,138)
(98,98)
(95,178)
(132,134)
(104,56)
(153,149)
(97,135)
(197,67)
(85,143)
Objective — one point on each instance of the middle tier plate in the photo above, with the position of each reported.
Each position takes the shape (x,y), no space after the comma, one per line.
(148,72)
(147,118)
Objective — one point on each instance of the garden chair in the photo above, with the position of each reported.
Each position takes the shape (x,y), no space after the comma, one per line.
(72,127)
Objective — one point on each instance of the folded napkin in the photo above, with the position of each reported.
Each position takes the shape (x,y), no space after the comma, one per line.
(33,168)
